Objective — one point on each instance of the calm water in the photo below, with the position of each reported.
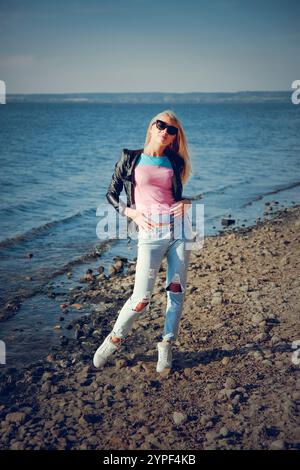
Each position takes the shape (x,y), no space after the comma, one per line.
(56,163)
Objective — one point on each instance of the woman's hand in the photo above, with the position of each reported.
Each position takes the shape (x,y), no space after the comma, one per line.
(139,218)
(180,207)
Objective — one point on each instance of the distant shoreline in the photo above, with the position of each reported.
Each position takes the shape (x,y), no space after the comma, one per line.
(153,97)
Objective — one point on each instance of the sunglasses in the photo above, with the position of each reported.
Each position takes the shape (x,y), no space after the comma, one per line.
(161,125)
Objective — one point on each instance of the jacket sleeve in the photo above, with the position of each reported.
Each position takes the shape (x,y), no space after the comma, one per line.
(116,186)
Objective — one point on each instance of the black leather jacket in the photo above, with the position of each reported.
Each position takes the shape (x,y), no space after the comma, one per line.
(123,176)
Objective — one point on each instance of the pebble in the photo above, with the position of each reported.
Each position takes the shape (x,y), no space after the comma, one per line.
(217,299)
(277,445)
(179,418)
(224,431)
(225,361)
(230,383)
(211,436)
(257,318)
(16,417)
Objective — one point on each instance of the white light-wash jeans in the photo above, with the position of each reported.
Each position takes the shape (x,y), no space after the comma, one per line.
(152,245)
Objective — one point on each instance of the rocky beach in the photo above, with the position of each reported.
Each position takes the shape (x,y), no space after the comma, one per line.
(235,380)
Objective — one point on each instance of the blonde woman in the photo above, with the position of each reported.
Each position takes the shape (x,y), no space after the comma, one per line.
(153,178)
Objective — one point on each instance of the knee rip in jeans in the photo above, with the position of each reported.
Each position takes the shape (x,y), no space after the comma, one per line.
(175,285)
(142,304)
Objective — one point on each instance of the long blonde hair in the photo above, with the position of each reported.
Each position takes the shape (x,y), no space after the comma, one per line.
(179,145)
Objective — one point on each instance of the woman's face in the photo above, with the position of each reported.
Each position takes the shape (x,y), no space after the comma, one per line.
(162,137)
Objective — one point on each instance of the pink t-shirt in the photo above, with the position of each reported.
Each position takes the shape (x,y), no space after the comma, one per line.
(153,184)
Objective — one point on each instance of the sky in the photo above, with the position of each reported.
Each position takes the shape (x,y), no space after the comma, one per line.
(149,45)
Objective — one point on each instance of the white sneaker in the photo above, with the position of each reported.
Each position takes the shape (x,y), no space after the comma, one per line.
(106,349)
(164,356)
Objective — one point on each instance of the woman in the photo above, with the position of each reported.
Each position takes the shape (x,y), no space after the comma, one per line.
(153,179)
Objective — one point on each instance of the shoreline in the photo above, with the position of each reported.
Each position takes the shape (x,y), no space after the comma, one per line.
(233,386)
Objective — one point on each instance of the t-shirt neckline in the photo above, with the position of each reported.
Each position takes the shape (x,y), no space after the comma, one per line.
(153,156)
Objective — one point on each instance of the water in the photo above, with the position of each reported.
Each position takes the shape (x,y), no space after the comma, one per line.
(57,160)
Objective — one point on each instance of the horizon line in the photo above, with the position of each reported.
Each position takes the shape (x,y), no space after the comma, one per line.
(145,92)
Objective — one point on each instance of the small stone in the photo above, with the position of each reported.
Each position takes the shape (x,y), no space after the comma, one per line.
(260,337)
(227,221)
(217,299)
(16,417)
(244,288)
(224,431)
(275,339)
(230,383)
(229,392)
(112,270)
(204,419)
(225,361)
(120,363)
(179,418)
(77,306)
(277,445)
(211,436)
(257,318)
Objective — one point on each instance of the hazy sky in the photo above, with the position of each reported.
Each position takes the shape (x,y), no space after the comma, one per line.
(155,45)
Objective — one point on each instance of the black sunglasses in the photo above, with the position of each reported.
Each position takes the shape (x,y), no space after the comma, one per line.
(161,125)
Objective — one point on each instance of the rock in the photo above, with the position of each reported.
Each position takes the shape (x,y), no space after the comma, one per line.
(179,418)
(229,392)
(120,363)
(257,318)
(225,361)
(46,387)
(260,337)
(119,265)
(16,417)
(244,288)
(227,221)
(277,445)
(275,339)
(230,383)
(211,436)
(77,306)
(224,431)
(88,277)
(217,299)
(112,270)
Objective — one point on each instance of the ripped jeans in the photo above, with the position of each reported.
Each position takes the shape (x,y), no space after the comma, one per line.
(153,245)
